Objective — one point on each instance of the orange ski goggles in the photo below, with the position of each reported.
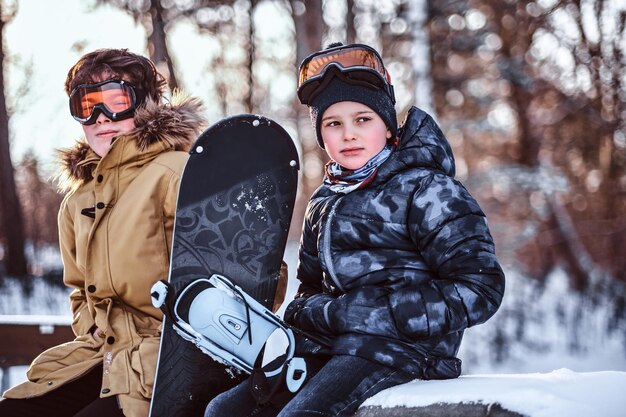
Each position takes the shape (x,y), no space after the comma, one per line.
(115,98)
(357,63)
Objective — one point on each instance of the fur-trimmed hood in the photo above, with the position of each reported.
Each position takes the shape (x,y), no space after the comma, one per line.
(176,125)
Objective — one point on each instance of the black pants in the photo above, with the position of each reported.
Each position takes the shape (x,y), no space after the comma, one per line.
(79,398)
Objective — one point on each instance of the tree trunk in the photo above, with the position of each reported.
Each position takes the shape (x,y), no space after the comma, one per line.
(10,209)
(576,258)
(421,60)
(578,262)
(350,28)
(157,44)
(251,53)
(309,27)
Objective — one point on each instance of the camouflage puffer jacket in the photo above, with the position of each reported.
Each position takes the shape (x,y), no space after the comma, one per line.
(396,271)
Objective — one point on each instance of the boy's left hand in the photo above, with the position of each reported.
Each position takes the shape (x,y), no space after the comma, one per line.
(309,313)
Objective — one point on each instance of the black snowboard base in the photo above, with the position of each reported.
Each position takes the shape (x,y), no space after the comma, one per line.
(234,208)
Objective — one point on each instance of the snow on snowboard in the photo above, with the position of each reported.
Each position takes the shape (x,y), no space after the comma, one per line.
(234,208)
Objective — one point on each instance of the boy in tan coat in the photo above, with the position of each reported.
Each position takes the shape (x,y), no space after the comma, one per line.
(115,226)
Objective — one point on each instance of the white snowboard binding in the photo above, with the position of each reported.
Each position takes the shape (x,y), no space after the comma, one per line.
(228,325)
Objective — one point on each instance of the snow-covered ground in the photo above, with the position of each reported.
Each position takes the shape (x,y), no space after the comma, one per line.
(541,327)
(41,298)
(548,352)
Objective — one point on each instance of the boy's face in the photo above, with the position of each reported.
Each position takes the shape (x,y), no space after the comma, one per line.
(100,135)
(353,133)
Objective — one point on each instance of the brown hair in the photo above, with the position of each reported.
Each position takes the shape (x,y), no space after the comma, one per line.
(105,64)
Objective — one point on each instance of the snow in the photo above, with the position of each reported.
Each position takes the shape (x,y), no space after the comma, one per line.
(548,352)
(36,319)
(542,326)
(34,297)
(555,394)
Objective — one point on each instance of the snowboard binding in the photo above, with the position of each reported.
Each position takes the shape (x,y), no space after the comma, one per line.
(228,325)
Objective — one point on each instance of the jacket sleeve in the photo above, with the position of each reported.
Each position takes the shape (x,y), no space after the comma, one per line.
(305,311)
(309,271)
(72,276)
(450,231)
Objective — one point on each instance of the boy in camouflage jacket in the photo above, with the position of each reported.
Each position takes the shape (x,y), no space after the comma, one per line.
(396,259)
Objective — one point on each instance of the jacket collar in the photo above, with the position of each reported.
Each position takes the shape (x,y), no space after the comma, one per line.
(158,127)
(422,144)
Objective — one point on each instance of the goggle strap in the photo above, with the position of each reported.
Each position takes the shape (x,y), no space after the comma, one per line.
(326,77)
(336,67)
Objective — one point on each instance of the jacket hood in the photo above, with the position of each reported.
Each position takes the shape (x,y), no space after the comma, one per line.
(422,144)
(176,125)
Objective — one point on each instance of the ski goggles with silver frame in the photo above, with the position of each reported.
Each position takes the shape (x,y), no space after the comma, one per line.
(357,63)
(115,98)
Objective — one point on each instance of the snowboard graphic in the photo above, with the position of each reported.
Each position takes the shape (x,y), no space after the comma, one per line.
(234,208)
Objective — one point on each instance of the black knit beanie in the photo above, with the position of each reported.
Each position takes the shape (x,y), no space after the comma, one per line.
(339,90)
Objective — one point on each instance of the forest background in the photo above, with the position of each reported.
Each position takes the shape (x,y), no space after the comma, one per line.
(531,95)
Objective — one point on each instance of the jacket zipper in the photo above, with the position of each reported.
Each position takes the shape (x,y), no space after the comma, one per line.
(326,246)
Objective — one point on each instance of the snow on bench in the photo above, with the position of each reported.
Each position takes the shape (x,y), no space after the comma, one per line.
(35,319)
(559,393)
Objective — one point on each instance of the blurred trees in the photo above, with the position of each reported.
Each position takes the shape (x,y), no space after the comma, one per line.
(11,225)
(530,94)
(229,21)
(39,201)
(155,17)
(308,31)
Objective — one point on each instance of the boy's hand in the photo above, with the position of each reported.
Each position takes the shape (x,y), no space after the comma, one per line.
(308,313)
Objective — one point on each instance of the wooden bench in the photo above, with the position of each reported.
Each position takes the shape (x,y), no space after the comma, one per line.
(24,337)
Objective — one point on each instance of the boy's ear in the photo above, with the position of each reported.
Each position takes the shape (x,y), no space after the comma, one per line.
(388,135)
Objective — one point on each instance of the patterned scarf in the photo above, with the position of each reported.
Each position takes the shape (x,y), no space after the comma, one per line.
(343,181)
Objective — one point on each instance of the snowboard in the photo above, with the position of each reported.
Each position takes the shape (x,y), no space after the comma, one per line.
(234,208)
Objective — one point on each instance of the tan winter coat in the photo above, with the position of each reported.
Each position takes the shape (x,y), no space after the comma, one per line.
(112,260)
